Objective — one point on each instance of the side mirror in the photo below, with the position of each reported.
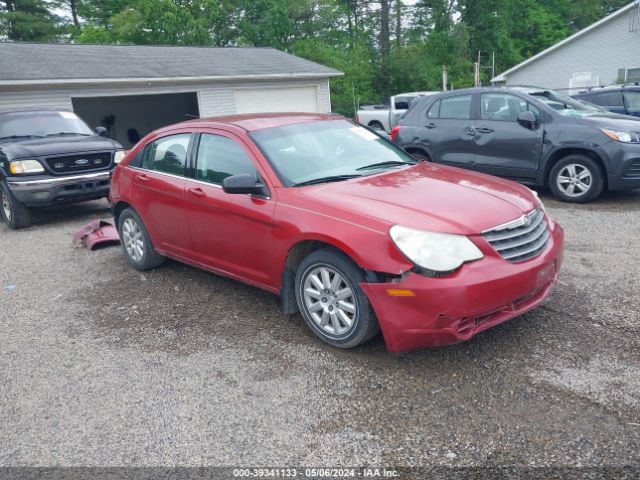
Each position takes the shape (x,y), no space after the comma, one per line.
(101,131)
(243,183)
(528,120)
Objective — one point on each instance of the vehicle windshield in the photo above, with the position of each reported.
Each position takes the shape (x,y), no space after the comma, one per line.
(41,124)
(564,105)
(325,151)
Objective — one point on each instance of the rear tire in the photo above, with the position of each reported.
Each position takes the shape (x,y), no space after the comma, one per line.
(136,244)
(14,213)
(331,301)
(577,179)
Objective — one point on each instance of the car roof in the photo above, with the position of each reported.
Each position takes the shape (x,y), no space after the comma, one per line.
(609,88)
(257,121)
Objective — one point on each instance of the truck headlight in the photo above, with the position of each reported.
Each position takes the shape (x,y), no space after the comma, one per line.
(18,167)
(119,156)
(437,252)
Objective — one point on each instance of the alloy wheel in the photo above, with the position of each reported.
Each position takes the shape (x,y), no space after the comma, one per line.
(132,239)
(330,301)
(6,207)
(574,180)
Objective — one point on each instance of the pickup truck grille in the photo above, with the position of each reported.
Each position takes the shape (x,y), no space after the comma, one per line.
(522,239)
(79,163)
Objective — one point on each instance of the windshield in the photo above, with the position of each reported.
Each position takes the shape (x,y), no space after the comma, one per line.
(564,105)
(329,150)
(41,124)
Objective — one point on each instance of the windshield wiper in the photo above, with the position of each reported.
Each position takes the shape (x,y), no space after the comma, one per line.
(14,137)
(331,178)
(392,163)
(67,133)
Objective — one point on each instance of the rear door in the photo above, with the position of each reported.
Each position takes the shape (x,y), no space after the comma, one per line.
(447,131)
(503,146)
(157,192)
(230,232)
(632,102)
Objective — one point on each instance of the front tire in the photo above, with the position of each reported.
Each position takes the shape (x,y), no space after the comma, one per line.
(577,179)
(331,301)
(14,213)
(136,244)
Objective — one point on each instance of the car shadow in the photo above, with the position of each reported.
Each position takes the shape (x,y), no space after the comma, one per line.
(60,214)
(611,200)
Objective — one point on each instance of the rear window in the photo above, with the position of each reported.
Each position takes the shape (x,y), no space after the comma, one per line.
(456,107)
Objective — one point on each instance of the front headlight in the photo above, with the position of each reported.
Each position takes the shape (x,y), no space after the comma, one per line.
(622,135)
(438,252)
(118,156)
(19,167)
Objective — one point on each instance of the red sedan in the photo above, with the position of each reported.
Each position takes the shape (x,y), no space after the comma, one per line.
(344,226)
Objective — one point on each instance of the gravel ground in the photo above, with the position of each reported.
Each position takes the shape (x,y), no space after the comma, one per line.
(101,365)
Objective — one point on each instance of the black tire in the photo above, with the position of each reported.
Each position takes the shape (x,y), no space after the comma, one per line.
(18,215)
(377,125)
(364,324)
(149,258)
(419,155)
(581,163)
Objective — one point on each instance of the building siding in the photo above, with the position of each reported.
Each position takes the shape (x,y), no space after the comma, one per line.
(213,98)
(602,51)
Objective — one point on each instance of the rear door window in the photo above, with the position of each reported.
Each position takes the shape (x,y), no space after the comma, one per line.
(606,99)
(434,111)
(458,107)
(168,154)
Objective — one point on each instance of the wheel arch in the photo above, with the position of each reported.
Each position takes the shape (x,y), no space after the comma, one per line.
(562,152)
(301,249)
(117,210)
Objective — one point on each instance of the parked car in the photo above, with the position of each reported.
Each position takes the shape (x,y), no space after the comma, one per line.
(49,157)
(622,99)
(343,225)
(386,116)
(534,136)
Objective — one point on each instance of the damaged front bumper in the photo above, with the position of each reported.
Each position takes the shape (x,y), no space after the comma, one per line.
(441,311)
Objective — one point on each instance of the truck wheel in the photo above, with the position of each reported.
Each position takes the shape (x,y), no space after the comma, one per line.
(377,125)
(14,213)
(576,178)
(331,301)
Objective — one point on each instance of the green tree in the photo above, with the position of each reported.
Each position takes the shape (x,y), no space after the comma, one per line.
(28,21)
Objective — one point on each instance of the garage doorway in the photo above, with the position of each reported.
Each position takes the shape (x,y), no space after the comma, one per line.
(131,117)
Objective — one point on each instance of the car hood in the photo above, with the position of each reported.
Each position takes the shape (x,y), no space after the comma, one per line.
(41,147)
(426,196)
(611,120)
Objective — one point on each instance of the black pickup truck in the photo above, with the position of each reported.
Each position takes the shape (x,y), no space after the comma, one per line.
(49,157)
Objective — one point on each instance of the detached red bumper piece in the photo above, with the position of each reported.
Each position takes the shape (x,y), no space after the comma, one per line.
(419,312)
(96,234)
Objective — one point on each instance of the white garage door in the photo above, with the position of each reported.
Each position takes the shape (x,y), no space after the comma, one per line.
(291,99)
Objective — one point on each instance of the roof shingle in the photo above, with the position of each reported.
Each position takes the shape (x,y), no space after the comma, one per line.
(51,61)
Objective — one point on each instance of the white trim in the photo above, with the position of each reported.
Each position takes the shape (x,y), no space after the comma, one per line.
(503,76)
(151,80)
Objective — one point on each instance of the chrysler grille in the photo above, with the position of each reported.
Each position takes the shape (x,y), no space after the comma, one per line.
(522,239)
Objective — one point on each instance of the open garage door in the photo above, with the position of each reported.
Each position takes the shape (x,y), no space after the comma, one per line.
(131,117)
(291,99)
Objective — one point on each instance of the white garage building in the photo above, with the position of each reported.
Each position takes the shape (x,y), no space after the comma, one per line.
(136,89)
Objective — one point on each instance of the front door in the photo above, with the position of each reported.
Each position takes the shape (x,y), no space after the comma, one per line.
(230,233)
(503,146)
(157,192)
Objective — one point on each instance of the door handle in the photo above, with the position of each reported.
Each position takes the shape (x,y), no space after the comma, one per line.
(484,130)
(430,125)
(142,177)
(198,192)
